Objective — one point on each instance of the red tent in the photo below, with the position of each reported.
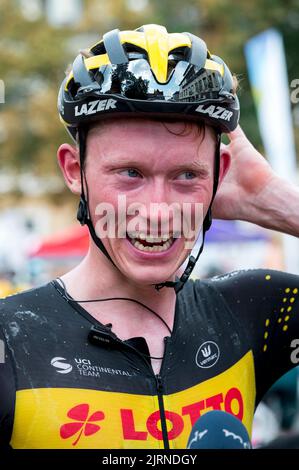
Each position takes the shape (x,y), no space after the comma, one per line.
(73,242)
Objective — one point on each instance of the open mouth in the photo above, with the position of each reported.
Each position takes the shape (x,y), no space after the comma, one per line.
(144,242)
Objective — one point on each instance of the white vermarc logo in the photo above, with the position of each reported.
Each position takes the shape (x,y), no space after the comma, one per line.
(62,367)
(207,354)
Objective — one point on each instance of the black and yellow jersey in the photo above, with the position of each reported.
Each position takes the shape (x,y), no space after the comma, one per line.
(231,340)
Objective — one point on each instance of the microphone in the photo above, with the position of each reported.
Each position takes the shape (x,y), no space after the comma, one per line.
(218,430)
(102,335)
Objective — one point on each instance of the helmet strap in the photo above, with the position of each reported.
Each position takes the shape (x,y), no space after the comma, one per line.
(83,214)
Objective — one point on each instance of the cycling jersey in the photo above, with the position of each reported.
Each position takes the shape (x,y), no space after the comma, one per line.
(59,388)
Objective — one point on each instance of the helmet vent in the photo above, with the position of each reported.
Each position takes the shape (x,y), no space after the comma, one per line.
(98,49)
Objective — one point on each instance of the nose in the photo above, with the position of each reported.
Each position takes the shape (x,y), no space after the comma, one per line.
(158,191)
(157,213)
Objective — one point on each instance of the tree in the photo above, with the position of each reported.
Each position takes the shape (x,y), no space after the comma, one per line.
(34,55)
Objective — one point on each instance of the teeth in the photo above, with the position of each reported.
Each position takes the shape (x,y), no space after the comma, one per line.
(156,248)
(149,238)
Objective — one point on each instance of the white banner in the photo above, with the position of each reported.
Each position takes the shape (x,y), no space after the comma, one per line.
(267,71)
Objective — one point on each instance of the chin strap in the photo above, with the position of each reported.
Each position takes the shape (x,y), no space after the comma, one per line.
(83,215)
(179,283)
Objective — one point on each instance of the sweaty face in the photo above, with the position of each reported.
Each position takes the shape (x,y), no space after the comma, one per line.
(149,184)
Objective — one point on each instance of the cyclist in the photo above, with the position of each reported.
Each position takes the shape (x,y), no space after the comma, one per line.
(125,351)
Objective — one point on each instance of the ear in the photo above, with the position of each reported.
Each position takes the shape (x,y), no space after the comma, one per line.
(68,160)
(225,161)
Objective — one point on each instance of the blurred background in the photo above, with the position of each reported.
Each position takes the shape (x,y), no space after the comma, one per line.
(39,236)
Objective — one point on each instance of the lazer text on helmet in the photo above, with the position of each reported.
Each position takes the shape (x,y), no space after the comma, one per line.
(215,111)
(95,106)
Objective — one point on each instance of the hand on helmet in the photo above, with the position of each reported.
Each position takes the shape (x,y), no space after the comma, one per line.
(248,175)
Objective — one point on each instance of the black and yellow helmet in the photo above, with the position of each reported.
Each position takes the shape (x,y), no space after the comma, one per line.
(149,72)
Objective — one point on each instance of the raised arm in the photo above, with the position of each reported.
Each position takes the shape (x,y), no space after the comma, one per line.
(252,191)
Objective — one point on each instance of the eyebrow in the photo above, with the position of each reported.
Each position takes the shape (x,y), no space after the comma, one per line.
(202,167)
(199,166)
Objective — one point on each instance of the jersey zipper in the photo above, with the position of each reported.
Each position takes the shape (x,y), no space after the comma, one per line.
(106,337)
(162,410)
(160,389)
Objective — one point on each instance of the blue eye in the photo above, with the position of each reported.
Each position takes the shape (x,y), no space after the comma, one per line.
(130,172)
(189,175)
